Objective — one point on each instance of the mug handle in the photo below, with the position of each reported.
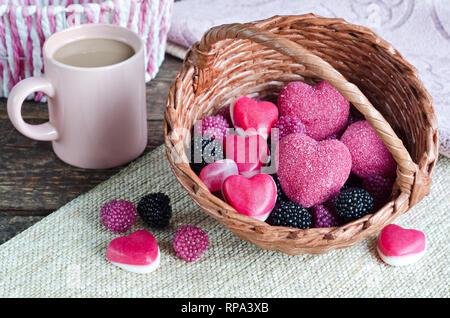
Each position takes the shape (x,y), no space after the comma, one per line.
(44,132)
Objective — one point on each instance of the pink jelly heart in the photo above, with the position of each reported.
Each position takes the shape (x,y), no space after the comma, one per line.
(138,248)
(397,241)
(251,116)
(255,196)
(214,174)
(249,153)
(311,172)
(321,108)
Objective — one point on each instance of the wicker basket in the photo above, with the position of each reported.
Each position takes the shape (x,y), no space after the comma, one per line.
(258,59)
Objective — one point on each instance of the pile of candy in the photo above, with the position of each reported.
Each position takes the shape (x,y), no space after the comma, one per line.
(139,251)
(304,163)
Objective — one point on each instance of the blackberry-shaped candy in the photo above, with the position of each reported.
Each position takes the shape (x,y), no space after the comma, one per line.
(288,213)
(353,204)
(204,150)
(155,210)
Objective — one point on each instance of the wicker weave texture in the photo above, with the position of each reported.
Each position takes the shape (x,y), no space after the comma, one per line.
(259,59)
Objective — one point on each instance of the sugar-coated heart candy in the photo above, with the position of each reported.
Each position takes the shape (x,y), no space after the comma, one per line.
(249,153)
(214,174)
(311,172)
(137,252)
(398,246)
(321,108)
(370,157)
(255,196)
(251,116)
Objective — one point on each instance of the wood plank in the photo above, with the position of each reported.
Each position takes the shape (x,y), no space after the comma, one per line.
(33,179)
(12,225)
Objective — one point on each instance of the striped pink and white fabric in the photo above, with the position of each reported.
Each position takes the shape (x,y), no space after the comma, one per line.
(26,24)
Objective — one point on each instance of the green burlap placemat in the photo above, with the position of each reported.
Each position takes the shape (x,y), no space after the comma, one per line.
(64,254)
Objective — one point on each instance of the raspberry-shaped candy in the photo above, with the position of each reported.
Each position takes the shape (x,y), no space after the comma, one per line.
(380,188)
(215,126)
(190,242)
(118,216)
(323,217)
(289,125)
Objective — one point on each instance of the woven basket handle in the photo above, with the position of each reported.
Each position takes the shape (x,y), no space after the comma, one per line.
(202,56)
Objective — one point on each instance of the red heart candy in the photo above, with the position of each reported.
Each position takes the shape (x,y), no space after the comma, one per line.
(251,116)
(138,248)
(397,241)
(254,197)
(321,108)
(215,173)
(310,172)
(249,153)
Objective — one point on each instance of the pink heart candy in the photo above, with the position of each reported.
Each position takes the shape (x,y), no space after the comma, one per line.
(398,246)
(251,116)
(321,108)
(254,197)
(137,252)
(249,153)
(311,172)
(214,174)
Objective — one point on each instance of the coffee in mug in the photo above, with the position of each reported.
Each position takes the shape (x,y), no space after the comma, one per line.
(93,53)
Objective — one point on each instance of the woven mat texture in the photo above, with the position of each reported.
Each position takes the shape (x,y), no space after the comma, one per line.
(64,254)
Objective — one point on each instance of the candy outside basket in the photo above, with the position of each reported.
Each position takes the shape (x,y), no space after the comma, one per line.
(258,59)
(26,24)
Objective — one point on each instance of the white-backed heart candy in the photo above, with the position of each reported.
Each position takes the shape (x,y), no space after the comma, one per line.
(253,117)
(254,197)
(398,246)
(137,252)
(214,174)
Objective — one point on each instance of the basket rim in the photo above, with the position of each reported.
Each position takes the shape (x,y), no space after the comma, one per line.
(400,202)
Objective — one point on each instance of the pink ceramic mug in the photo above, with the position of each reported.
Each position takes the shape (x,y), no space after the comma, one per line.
(97,115)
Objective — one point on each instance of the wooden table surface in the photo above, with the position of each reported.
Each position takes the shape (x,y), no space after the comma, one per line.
(34,182)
